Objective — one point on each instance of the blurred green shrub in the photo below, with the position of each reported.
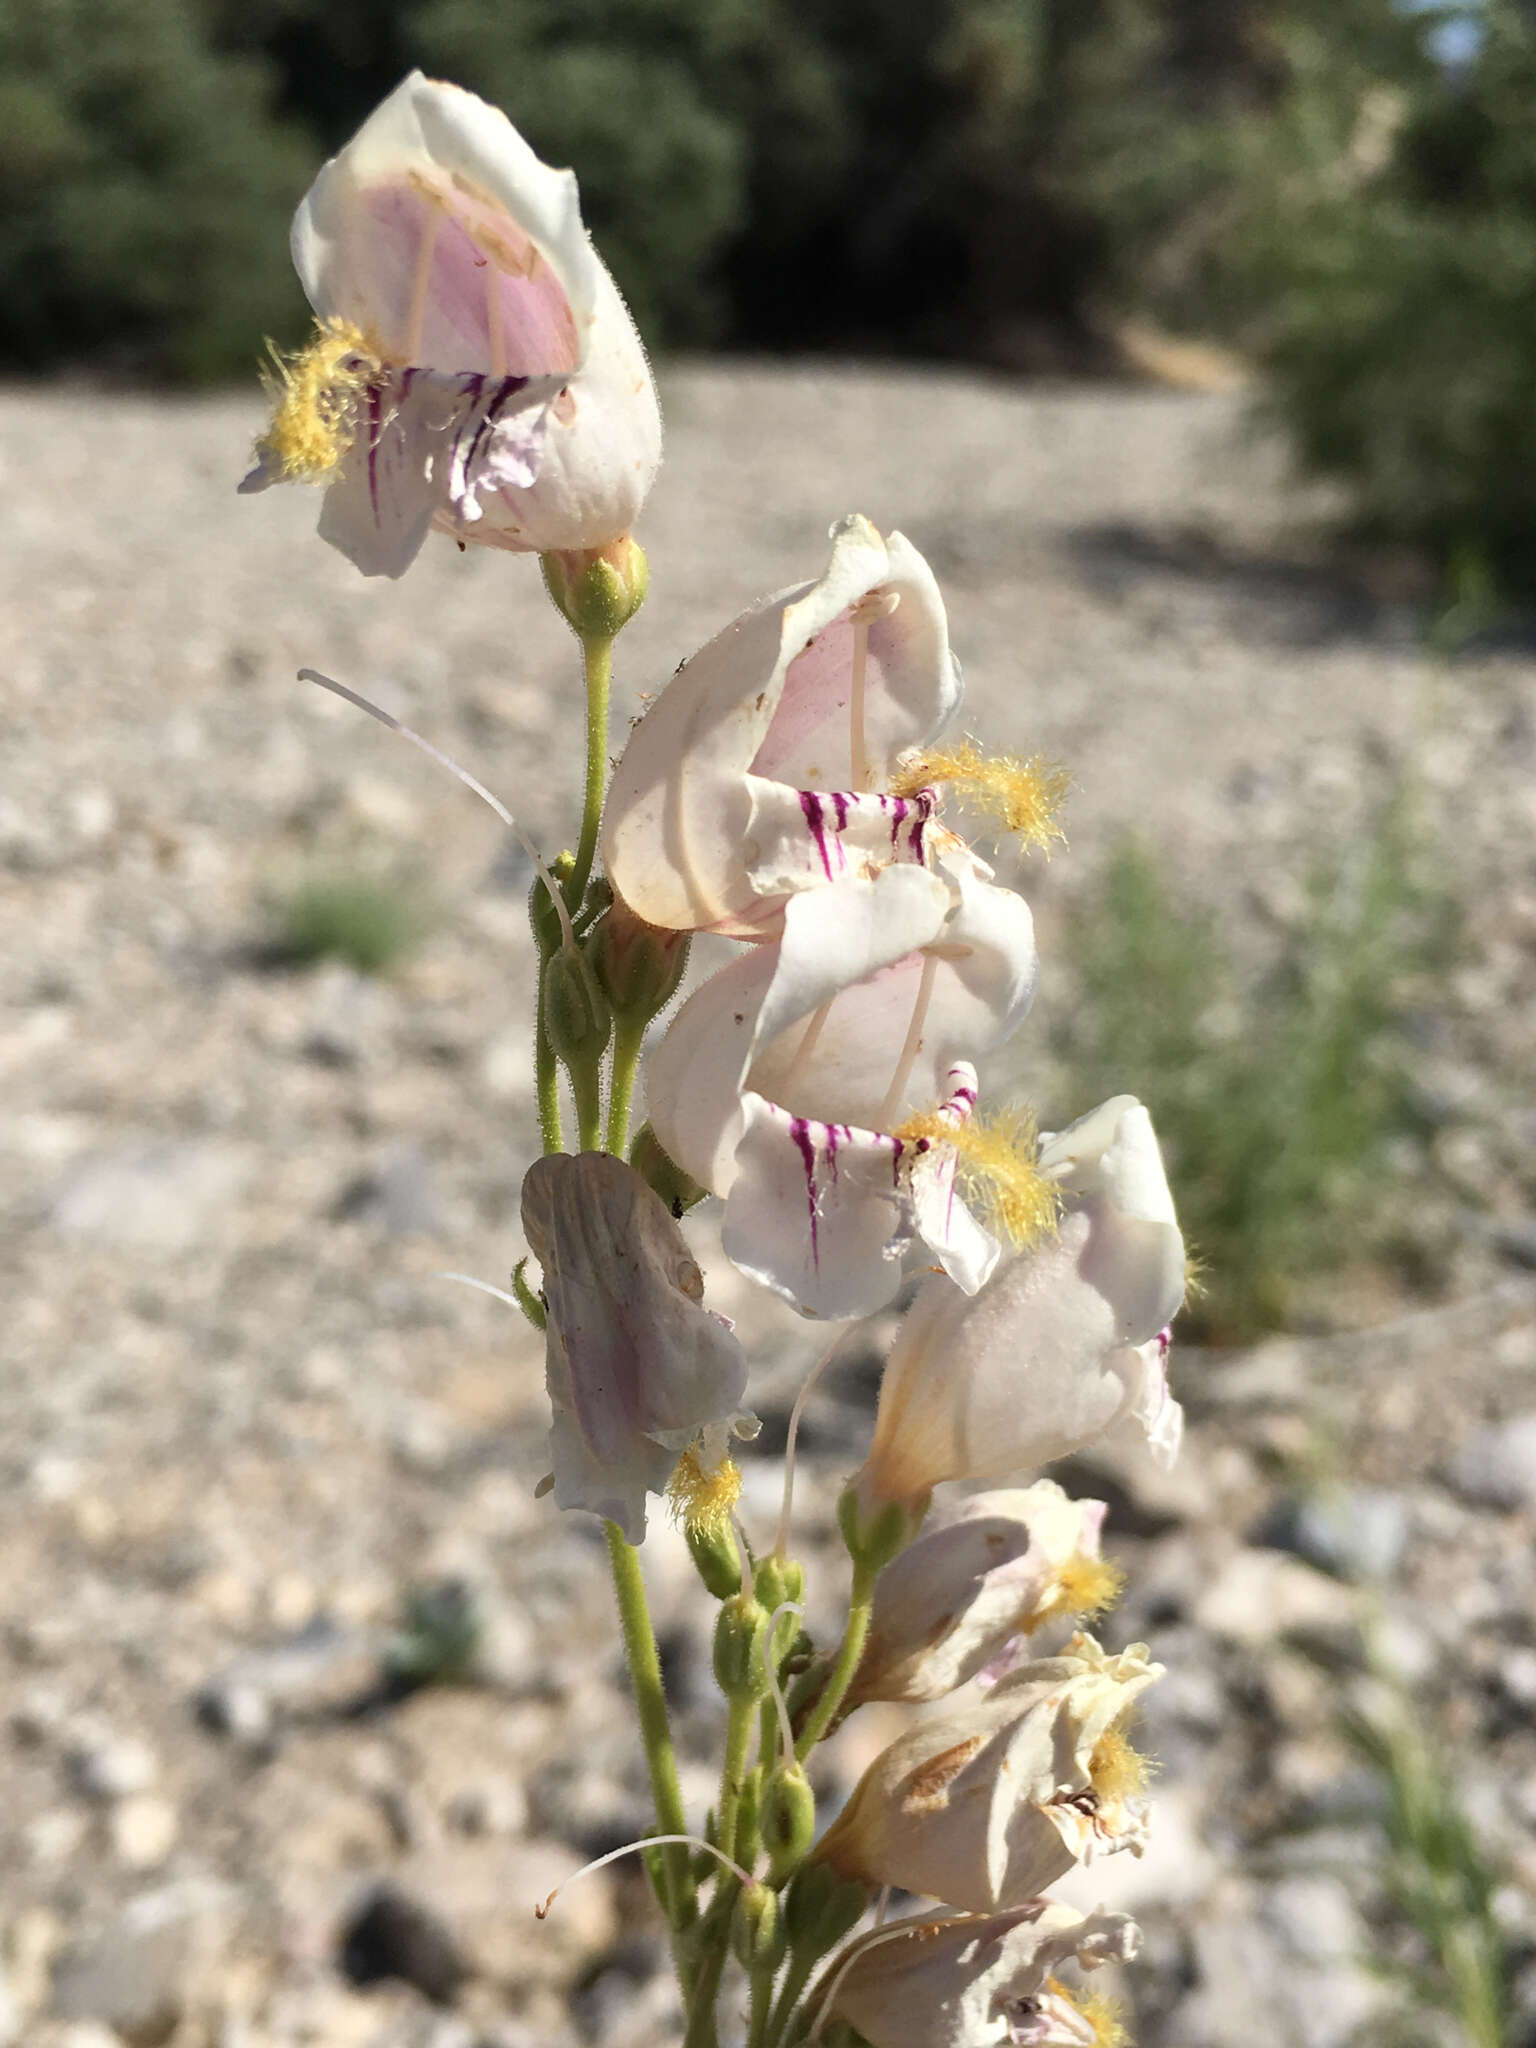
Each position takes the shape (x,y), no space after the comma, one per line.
(370,925)
(144,192)
(1276,1099)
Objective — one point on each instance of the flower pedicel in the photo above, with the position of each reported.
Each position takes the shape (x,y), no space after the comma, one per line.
(474,370)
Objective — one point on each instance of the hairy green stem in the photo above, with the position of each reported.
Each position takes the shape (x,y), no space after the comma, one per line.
(738,1739)
(860,1600)
(795,1981)
(627,1041)
(586,1086)
(655,1729)
(597,657)
(546,1071)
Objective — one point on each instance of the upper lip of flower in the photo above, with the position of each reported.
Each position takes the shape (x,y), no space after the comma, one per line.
(760,768)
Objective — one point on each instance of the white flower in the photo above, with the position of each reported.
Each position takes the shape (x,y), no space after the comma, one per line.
(986,1807)
(986,1570)
(764,766)
(783,1082)
(985,1981)
(1065,1343)
(638,1371)
(476,368)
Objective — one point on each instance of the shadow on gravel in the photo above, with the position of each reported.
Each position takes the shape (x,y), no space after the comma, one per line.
(1355,595)
(1288,599)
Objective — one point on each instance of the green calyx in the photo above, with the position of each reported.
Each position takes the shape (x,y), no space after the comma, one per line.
(576,1011)
(598,590)
(786,1820)
(677,1189)
(741,1630)
(718,1558)
(875,1535)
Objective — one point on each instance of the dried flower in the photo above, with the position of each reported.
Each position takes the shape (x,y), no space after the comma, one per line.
(988,1806)
(639,1372)
(983,1981)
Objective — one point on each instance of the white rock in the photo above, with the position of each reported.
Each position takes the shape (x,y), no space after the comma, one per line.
(1496,1466)
(144,1831)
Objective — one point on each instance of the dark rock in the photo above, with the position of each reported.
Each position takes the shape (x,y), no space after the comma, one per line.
(393,1934)
(1357,1534)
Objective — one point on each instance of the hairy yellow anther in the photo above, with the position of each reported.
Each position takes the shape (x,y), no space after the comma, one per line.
(1085,1586)
(314,397)
(1098,2009)
(703,1501)
(1025,795)
(996,1167)
(1195,1270)
(1118,1771)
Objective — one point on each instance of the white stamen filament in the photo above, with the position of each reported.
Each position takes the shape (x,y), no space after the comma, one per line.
(485,1287)
(313,675)
(804,1049)
(786,1732)
(913,1045)
(493,320)
(634,1849)
(416,320)
(857,753)
(875,604)
(781,1540)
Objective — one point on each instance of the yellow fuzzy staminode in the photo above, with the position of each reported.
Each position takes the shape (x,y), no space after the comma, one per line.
(1024,795)
(997,1169)
(1099,2010)
(703,1501)
(1195,1270)
(1118,1771)
(1086,1586)
(314,401)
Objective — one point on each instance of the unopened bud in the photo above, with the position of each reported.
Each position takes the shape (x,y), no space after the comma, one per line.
(639,965)
(715,1552)
(756,1933)
(598,590)
(779,1579)
(548,925)
(875,1536)
(820,1907)
(786,1819)
(576,1013)
(740,1670)
(677,1189)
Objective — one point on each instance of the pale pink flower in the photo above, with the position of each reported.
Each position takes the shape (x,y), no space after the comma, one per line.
(984,1571)
(782,1082)
(476,368)
(1063,1345)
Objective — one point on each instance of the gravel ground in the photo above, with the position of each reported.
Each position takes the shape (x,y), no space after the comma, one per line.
(244,1414)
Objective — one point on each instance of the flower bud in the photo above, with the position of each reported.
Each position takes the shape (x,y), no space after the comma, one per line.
(741,1630)
(986,1807)
(757,1933)
(598,590)
(778,1579)
(820,1907)
(548,927)
(638,965)
(677,1189)
(978,1980)
(787,1819)
(576,1012)
(714,1550)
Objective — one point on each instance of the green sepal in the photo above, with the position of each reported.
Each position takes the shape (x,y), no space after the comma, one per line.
(740,1631)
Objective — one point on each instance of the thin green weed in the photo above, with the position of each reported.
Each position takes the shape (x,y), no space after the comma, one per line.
(1277,1093)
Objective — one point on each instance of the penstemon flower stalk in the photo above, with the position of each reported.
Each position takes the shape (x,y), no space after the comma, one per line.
(475,372)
